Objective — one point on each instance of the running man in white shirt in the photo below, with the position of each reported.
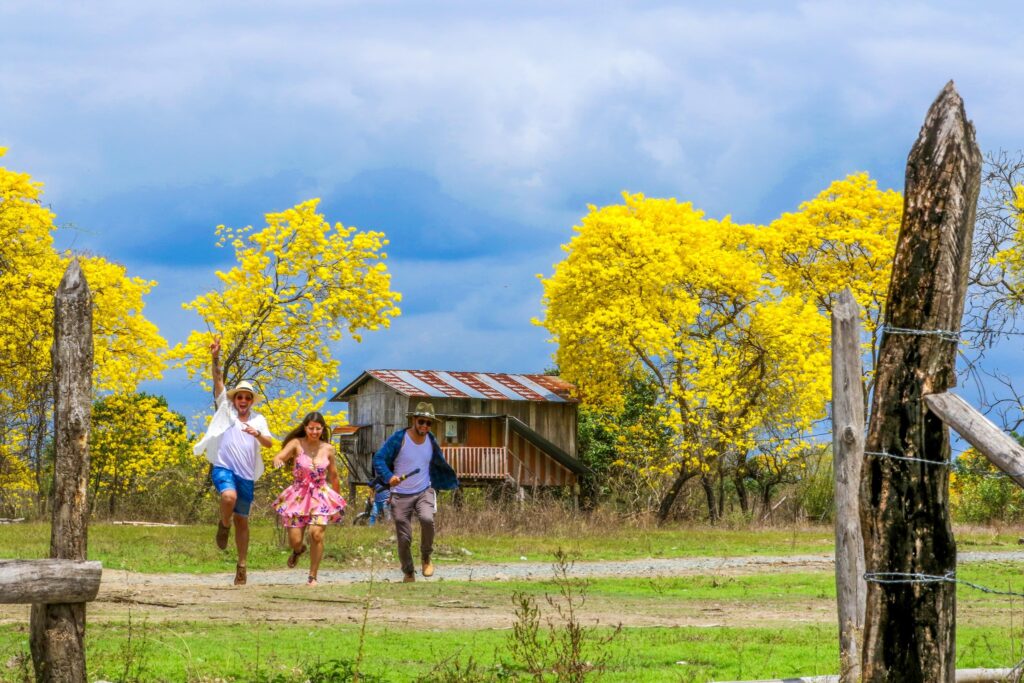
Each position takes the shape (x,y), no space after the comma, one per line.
(232,445)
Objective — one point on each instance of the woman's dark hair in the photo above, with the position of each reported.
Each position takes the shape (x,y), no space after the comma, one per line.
(300,431)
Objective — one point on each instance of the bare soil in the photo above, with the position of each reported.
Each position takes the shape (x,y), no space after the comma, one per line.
(448,600)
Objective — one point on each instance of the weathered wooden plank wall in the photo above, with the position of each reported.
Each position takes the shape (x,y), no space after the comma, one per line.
(385,410)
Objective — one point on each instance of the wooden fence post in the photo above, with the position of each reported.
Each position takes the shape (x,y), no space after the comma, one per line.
(848,454)
(58,630)
(909,629)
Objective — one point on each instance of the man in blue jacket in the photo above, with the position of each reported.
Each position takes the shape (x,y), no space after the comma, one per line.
(415,469)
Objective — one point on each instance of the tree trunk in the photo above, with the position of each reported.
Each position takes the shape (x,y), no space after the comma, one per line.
(910,626)
(766,499)
(669,499)
(721,493)
(741,492)
(37,457)
(709,494)
(58,630)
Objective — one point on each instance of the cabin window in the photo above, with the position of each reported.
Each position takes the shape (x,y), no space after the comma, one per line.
(451,431)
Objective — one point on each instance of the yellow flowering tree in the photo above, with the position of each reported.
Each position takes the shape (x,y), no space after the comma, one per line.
(652,287)
(17,484)
(134,438)
(979,492)
(844,237)
(1011,258)
(299,284)
(128,347)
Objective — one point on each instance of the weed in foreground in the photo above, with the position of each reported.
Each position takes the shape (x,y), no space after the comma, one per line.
(454,670)
(539,649)
(134,651)
(567,648)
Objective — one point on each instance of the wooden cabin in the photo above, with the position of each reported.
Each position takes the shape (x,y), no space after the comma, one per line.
(492,427)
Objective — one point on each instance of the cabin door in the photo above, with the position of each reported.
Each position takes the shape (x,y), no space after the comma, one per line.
(479,433)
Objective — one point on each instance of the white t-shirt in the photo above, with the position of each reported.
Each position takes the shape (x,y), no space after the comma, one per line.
(240,452)
(411,456)
(225,420)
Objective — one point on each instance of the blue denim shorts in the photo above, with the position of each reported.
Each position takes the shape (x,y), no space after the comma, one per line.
(226,480)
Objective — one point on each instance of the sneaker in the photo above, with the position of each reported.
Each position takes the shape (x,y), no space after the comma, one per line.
(428,568)
(409,578)
(239,574)
(222,535)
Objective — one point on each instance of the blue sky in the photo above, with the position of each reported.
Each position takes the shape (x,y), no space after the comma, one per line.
(474,134)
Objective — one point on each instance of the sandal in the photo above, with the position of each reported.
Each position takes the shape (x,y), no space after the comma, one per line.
(311,580)
(240,575)
(293,559)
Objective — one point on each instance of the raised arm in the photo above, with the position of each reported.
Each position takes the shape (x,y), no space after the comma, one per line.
(218,377)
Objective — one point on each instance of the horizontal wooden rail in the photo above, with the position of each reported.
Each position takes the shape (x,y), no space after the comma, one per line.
(478,462)
(962,676)
(41,582)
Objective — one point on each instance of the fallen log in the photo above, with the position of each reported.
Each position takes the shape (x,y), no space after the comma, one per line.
(46,582)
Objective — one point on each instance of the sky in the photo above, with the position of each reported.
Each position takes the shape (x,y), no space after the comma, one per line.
(474,134)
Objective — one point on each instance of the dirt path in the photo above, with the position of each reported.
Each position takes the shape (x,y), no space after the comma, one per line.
(342,596)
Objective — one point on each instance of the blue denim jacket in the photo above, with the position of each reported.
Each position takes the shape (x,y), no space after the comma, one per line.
(442,476)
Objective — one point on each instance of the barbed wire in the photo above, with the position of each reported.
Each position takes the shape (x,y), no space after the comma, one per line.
(883,454)
(948,577)
(780,439)
(947,335)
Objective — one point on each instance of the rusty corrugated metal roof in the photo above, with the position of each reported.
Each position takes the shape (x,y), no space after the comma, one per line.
(347,430)
(482,385)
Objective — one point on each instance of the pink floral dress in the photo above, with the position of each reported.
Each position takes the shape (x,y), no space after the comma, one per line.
(309,500)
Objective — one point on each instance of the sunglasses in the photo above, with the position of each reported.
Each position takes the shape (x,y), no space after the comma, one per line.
(425,423)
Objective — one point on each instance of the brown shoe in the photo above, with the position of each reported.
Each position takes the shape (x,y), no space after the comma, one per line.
(293,559)
(239,574)
(222,535)
(428,568)
(409,578)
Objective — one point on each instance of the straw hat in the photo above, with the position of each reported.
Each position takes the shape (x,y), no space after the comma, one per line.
(244,386)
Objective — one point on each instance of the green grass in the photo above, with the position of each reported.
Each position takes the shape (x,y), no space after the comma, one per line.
(190,549)
(661,594)
(207,651)
(233,648)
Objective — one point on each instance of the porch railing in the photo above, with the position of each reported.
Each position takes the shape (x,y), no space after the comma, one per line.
(478,462)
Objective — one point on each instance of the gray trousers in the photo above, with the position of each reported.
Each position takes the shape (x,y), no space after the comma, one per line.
(403,507)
